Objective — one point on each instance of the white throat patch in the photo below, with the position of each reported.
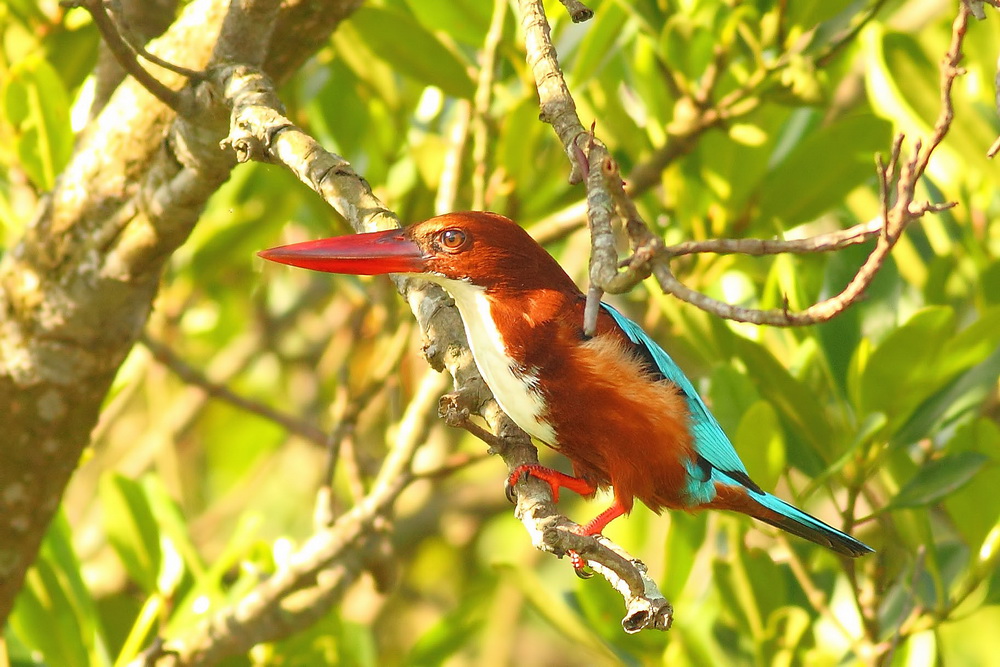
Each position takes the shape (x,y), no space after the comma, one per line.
(515,388)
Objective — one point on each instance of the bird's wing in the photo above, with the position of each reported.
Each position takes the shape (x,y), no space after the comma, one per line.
(710,441)
(712,445)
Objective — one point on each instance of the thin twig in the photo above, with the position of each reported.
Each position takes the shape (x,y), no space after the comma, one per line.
(848,35)
(120,19)
(318,572)
(759,247)
(481,104)
(125,53)
(193,376)
(816,597)
(895,218)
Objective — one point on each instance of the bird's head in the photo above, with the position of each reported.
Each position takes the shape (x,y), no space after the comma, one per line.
(484,249)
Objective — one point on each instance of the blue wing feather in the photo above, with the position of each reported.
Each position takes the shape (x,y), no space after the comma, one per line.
(710,440)
(711,443)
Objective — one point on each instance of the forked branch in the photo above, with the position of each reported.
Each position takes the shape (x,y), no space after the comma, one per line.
(607,200)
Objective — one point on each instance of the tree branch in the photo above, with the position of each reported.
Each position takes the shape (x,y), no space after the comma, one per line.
(316,576)
(649,258)
(76,290)
(126,53)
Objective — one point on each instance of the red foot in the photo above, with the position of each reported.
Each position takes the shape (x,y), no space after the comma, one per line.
(553,478)
(580,568)
(594,527)
(557,480)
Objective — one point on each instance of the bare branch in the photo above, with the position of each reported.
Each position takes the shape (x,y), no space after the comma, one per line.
(894,220)
(554,99)
(481,103)
(759,247)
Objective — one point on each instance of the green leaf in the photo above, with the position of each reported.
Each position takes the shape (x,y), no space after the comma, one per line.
(36,104)
(911,64)
(801,187)
(920,358)
(210,584)
(732,393)
(131,528)
(797,404)
(171,522)
(455,630)
(960,396)
(973,507)
(55,614)
(401,41)
(899,369)
(939,478)
(597,47)
(759,443)
(841,336)
(685,536)
(464,20)
(556,613)
(968,639)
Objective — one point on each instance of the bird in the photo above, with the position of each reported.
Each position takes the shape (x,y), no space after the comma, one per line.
(614,403)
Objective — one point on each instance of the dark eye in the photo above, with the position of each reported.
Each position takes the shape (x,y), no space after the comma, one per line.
(452,239)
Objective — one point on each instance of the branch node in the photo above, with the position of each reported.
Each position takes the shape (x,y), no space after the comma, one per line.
(578,11)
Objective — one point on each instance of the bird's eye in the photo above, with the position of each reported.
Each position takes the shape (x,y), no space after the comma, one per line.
(452,239)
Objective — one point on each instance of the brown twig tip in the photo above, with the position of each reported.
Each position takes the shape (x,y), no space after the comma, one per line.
(452,409)
(578,11)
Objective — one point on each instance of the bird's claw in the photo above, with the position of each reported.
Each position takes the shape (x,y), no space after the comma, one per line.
(510,486)
(510,491)
(580,567)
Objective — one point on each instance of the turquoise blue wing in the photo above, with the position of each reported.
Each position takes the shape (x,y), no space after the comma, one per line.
(713,446)
(710,441)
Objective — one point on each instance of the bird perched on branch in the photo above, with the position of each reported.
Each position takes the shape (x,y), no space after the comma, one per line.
(615,404)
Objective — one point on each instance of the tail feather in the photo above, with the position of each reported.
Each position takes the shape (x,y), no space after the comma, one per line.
(770,509)
(781,515)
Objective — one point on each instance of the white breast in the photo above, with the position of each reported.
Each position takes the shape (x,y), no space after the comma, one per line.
(515,388)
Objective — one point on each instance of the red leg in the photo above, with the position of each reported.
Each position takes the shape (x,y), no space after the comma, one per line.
(597,524)
(595,527)
(554,479)
(557,480)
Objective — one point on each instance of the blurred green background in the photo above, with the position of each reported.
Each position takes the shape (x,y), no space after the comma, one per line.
(884,420)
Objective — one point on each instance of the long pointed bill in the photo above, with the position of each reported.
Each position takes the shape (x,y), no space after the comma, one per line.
(362,254)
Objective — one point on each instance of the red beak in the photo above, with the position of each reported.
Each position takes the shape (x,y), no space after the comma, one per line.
(368,254)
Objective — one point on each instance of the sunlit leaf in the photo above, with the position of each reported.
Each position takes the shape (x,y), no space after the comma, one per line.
(35,103)
(55,613)
(131,528)
(802,186)
(939,478)
(400,40)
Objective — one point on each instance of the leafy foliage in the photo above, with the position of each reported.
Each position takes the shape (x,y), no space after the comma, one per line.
(884,420)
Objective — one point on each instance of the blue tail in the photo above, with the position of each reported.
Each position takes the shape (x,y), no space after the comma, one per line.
(797,522)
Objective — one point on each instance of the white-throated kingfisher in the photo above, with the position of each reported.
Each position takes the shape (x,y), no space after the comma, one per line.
(615,404)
